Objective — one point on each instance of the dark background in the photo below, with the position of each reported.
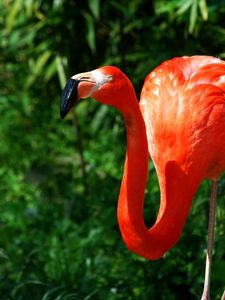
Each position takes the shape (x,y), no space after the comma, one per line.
(60,180)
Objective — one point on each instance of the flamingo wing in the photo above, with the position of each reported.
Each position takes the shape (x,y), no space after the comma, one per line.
(183,105)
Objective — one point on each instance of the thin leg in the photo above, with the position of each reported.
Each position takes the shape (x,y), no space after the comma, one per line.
(223,296)
(212,209)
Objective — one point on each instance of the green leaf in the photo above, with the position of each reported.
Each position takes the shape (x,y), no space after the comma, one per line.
(12,17)
(41,61)
(193,16)
(60,71)
(203,9)
(99,117)
(29,7)
(26,104)
(51,70)
(94,6)
(57,4)
(183,7)
(37,68)
(90,36)
(165,6)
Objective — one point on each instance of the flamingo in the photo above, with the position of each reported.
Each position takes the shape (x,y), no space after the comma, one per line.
(180,122)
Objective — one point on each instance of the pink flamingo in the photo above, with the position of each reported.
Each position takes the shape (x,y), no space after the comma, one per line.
(180,121)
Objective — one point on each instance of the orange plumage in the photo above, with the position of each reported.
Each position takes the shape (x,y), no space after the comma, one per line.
(181,122)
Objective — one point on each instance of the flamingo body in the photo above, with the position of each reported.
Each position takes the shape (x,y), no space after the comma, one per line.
(181,122)
(183,106)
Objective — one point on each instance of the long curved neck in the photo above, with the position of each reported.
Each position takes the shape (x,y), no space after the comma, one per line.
(177,191)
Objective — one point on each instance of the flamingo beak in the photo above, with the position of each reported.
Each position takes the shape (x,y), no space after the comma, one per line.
(69,96)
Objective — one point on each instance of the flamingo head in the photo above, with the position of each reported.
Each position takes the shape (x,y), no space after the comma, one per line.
(107,85)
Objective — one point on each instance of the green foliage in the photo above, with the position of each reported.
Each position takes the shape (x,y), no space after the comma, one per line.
(60,179)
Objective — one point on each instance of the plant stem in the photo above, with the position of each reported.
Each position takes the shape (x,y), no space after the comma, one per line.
(80,151)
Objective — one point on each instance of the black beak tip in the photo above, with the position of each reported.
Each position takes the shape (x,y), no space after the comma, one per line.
(64,107)
(62,114)
(69,97)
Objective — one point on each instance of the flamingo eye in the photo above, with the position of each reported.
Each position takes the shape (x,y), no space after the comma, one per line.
(109,77)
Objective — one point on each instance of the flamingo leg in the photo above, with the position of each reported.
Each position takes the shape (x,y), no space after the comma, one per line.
(208,265)
(223,296)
